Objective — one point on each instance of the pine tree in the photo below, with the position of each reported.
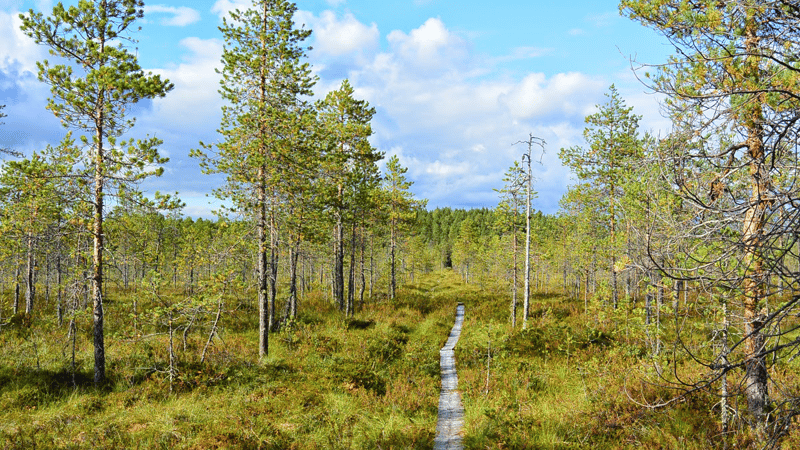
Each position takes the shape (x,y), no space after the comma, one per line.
(732,93)
(613,144)
(401,208)
(263,81)
(350,170)
(92,36)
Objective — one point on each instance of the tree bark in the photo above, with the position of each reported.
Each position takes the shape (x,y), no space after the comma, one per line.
(338,263)
(264,318)
(392,260)
(30,277)
(351,285)
(514,280)
(753,225)
(97,258)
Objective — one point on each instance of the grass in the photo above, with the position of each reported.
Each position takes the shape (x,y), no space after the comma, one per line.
(370,382)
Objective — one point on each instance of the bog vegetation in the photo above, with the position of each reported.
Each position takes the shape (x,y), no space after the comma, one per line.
(658,309)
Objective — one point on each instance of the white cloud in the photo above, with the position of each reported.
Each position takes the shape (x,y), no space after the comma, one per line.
(181,16)
(336,37)
(565,93)
(451,114)
(16,49)
(223,7)
(430,47)
(447,170)
(194,100)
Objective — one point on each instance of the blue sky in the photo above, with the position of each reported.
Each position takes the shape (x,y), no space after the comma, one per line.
(455,84)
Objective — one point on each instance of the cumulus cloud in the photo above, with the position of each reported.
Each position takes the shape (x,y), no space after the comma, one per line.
(16,49)
(223,7)
(194,99)
(180,16)
(336,37)
(431,47)
(452,115)
(565,93)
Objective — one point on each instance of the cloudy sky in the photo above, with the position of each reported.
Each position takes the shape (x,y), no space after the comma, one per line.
(455,84)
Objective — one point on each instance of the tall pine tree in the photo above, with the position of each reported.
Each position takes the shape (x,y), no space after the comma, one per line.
(93,36)
(350,171)
(263,82)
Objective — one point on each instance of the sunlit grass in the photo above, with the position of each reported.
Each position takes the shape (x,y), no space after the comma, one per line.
(571,380)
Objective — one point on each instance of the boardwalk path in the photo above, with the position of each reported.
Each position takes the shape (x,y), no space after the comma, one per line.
(451,411)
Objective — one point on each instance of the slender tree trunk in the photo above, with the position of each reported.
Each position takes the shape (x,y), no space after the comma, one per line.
(371,266)
(97,263)
(264,318)
(274,255)
(338,263)
(659,303)
(724,363)
(527,292)
(30,277)
(351,279)
(363,282)
(648,303)
(614,288)
(60,290)
(294,255)
(16,287)
(514,280)
(392,261)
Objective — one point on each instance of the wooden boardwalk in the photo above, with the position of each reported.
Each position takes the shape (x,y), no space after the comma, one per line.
(451,411)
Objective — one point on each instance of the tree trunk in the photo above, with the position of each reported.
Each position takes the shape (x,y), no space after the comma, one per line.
(294,255)
(264,318)
(338,263)
(371,266)
(30,277)
(97,260)
(514,280)
(753,226)
(363,281)
(16,288)
(59,292)
(392,262)
(274,255)
(351,279)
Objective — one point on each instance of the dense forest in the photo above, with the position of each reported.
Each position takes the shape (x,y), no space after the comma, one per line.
(657,309)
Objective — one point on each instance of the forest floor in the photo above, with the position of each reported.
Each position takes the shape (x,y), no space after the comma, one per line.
(575,378)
